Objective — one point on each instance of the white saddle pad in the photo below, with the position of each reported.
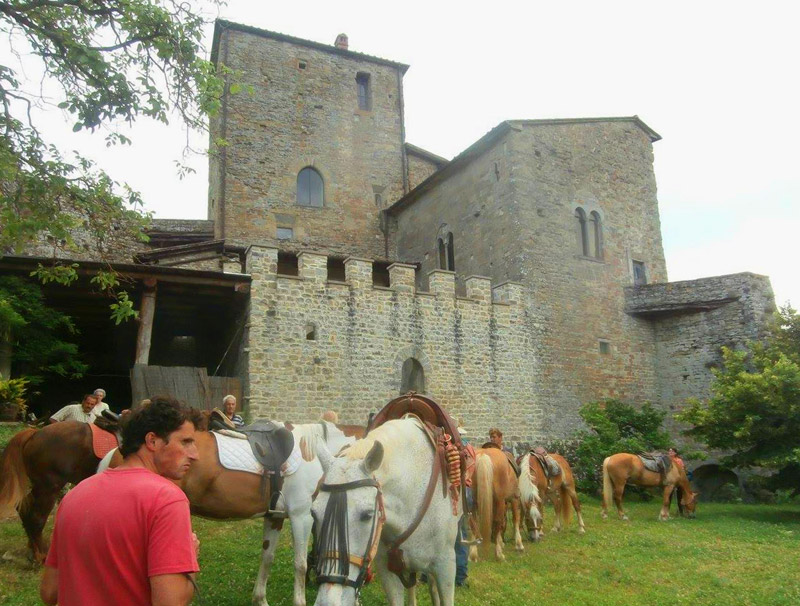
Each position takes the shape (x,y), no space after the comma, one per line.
(235,454)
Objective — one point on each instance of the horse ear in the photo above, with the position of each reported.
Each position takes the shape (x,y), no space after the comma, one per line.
(374,457)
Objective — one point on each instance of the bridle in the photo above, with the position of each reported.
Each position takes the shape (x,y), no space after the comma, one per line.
(333,565)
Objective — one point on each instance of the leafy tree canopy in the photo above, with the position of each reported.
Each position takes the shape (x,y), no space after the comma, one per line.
(754,410)
(115,60)
(41,337)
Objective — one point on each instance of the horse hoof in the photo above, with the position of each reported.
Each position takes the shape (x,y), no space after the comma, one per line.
(581,531)
(625,519)
(520,547)
(501,557)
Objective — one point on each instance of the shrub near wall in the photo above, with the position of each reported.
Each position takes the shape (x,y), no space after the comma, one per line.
(614,426)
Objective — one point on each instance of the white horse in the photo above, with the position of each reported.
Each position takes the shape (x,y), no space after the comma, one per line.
(372,494)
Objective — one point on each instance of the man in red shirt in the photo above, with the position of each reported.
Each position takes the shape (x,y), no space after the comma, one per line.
(124,536)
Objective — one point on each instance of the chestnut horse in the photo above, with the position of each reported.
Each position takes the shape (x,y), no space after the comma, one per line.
(35,466)
(495,485)
(623,467)
(560,490)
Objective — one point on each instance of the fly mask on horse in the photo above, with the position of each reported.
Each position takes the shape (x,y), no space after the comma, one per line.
(376,498)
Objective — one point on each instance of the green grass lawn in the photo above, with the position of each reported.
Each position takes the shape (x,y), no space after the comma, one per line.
(737,555)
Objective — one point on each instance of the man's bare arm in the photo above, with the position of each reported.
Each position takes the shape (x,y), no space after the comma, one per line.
(48,588)
(171,589)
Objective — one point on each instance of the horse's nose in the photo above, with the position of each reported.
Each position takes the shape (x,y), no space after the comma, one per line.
(330,594)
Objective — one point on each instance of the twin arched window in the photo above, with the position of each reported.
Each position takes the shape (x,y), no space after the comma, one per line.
(589,233)
(447,259)
(309,188)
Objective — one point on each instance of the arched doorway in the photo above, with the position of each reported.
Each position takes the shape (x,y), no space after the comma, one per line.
(413,376)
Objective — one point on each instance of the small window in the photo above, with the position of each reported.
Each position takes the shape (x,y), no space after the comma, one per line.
(309,188)
(597,235)
(444,247)
(311,332)
(285,233)
(451,255)
(442,253)
(582,232)
(413,377)
(639,273)
(364,92)
(378,200)
(380,273)
(336,269)
(605,347)
(301,64)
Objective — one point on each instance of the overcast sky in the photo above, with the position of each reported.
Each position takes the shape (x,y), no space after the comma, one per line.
(717,80)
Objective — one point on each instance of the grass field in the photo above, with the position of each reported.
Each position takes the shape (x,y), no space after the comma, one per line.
(738,555)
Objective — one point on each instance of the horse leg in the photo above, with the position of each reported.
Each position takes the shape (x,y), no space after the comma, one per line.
(618,492)
(576,505)
(301,531)
(445,576)
(476,535)
(434,589)
(499,525)
(664,515)
(557,505)
(516,511)
(34,511)
(272,529)
(391,583)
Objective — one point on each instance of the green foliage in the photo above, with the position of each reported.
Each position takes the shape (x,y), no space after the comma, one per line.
(614,426)
(41,336)
(114,61)
(754,410)
(13,391)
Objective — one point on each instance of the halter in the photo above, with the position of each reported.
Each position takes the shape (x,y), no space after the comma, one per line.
(339,559)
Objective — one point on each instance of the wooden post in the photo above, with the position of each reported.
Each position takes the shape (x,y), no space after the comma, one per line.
(146,313)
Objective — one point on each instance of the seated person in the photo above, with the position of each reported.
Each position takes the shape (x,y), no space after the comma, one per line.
(84,412)
(229,407)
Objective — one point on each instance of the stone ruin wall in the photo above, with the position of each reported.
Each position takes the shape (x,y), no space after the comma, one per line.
(476,351)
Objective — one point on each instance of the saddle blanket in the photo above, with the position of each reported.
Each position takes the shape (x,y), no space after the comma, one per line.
(656,462)
(103,441)
(235,454)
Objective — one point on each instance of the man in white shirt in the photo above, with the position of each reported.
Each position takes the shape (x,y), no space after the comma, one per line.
(84,412)
(100,394)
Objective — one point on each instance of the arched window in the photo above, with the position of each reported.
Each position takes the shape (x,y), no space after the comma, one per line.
(597,235)
(444,246)
(451,256)
(582,232)
(309,187)
(413,376)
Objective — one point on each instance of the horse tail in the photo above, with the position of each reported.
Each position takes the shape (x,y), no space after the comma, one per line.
(14,481)
(608,489)
(528,491)
(484,470)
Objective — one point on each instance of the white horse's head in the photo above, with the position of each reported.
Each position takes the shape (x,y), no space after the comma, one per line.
(348,511)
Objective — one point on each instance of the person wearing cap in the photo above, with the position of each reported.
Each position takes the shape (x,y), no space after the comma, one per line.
(229,407)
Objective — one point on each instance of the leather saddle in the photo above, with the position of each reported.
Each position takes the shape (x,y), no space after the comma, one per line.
(108,421)
(656,461)
(427,409)
(514,463)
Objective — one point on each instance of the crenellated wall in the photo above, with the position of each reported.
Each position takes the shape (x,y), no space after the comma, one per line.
(476,351)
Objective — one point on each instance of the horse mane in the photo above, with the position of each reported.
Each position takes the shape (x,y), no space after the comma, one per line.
(390,435)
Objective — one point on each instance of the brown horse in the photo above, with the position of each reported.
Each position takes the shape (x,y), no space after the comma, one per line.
(495,485)
(560,490)
(623,467)
(35,467)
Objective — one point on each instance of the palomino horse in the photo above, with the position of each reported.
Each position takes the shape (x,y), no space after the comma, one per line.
(382,498)
(560,490)
(494,486)
(623,467)
(35,466)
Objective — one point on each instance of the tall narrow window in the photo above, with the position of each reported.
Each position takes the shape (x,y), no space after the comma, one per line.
(582,232)
(442,253)
(639,273)
(364,92)
(597,235)
(309,187)
(451,256)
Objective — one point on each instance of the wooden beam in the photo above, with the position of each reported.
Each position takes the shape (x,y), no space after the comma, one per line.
(146,314)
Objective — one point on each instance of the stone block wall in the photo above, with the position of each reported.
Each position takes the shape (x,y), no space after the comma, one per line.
(693,319)
(477,352)
(419,169)
(511,209)
(303,111)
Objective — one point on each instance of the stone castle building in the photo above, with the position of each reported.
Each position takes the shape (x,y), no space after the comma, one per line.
(513,283)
